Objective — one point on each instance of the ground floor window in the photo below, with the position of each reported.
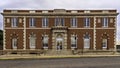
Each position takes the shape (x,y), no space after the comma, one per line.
(45,41)
(86,41)
(104,43)
(73,41)
(32,40)
(14,43)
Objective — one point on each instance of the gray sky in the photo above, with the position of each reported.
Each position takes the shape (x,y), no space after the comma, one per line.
(61,4)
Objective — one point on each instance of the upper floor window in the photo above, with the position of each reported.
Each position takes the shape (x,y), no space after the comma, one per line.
(87,22)
(59,21)
(45,41)
(86,41)
(73,41)
(105,22)
(45,22)
(74,22)
(14,21)
(31,22)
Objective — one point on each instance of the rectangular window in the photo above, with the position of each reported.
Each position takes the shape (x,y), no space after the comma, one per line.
(87,22)
(86,43)
(105,22)
(74,22)
(56,21)
(59,21)
(73,41)
(32,42)
(32,22)
(45,22)
(14,43)
(104,43)
(62,21)
(45,41)
(14,22)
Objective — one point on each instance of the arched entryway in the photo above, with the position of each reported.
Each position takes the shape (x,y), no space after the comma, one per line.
(59,42)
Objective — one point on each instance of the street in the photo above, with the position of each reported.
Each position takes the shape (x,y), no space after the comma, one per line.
(103,62)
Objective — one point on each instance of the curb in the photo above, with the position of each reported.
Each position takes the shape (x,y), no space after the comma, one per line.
(15,57)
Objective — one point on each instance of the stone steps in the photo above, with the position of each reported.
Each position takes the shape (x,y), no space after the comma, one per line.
(61,52)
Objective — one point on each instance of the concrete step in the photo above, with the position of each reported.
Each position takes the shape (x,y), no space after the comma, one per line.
(60,52)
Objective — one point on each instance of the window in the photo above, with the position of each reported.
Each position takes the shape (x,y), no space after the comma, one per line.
(62,21)
(59,21)
(45,41)
(45,22)
(86,41)
(73,41)
(14,22)
(32,41)
(104,43)
(74,22)
(31,22)
(105,22)
(14,43)
(87,22)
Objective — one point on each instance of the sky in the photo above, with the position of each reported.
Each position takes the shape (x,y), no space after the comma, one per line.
(62,4)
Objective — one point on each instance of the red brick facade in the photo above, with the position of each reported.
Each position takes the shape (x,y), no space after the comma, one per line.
(95,29)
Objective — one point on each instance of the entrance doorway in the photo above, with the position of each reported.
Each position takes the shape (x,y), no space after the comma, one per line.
(59,42)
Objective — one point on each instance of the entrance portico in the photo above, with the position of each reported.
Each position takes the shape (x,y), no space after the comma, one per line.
(59,38)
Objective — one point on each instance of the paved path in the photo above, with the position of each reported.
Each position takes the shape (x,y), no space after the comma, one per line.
(108,62)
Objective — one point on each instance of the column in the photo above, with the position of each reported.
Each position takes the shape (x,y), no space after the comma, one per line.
(94,32)
(24,22)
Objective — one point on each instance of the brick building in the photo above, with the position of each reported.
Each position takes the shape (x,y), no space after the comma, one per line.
(60,29)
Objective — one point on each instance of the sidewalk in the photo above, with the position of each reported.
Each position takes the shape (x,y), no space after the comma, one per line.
(8,57)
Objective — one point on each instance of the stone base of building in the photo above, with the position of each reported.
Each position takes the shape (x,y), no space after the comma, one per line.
(59,52)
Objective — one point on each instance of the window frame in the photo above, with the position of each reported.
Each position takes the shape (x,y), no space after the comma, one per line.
(105,22)
(86,41)
(31,22)
(45,45)
(74,22)
(32,40)
(14,43)
(59,21)
(74,45)
(45,22)
(104,41)
(87,22)
(14,22)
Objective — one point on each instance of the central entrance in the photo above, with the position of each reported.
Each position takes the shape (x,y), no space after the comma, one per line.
(59,38)
(59,42)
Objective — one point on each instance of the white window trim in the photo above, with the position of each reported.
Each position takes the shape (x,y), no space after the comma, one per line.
(105,22)
(86,22)
(45,36)
(14,40)
(45,22)
(30,43)
(32,22)
(106,44)
(88,40)
(14,22)
(73,22)
(59,20)
(86,46)
(75,41)
(56,21)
